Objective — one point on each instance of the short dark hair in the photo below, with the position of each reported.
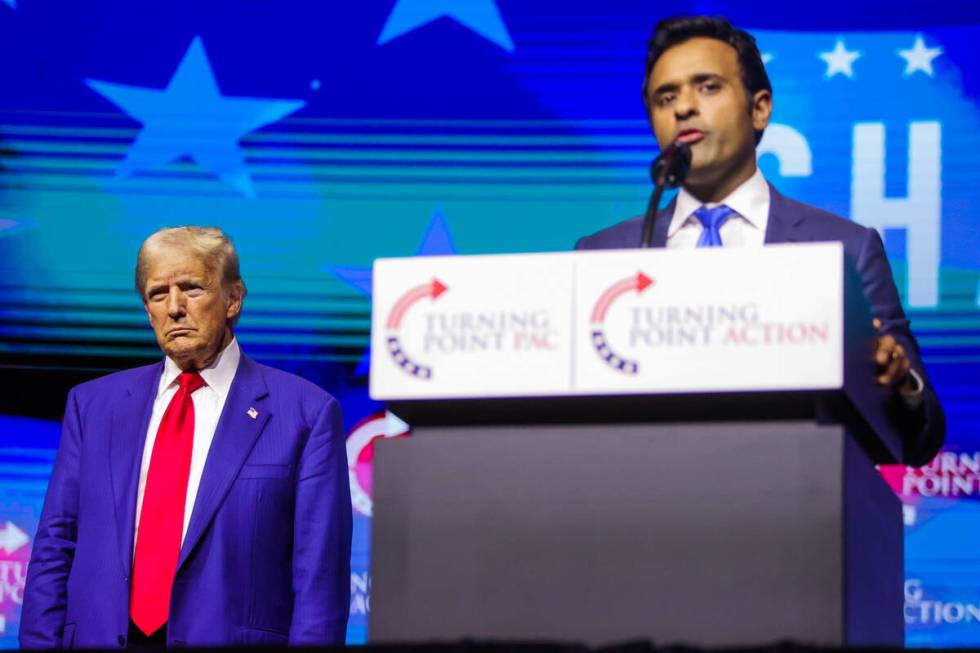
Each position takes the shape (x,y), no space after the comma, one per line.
(674,31)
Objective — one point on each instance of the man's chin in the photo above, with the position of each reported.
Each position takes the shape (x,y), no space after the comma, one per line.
(182,349)
(192,355)
(697,176)
(705,170)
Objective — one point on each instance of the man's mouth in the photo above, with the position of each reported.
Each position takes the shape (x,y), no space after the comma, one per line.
(690,136)
(176,333)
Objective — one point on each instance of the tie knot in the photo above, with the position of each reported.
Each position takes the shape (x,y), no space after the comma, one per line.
(190,381)
(713,218)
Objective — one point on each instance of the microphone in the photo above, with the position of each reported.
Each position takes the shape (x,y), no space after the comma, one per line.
(670,168)
(667,171)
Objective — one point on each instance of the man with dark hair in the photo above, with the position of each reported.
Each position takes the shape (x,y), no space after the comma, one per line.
(199,501)
(706,86)
(675,31)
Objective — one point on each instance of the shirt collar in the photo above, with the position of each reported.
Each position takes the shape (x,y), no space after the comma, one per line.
(218,375)
(750,200)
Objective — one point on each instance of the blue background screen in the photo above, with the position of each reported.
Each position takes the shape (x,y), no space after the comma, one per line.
(321,135)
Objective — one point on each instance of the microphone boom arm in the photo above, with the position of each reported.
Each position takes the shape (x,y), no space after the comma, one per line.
(667,171)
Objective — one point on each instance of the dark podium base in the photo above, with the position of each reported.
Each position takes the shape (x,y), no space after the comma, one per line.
(703,534)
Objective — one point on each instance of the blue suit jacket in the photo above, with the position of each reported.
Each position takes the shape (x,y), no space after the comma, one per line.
(266,556)
(790,221)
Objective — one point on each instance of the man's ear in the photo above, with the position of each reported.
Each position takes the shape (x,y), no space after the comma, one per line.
(761,109)
(235,296)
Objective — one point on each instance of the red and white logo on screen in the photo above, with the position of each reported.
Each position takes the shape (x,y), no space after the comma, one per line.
(360,454)
(15,551)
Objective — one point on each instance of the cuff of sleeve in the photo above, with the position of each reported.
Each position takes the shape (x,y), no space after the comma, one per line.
(913,397)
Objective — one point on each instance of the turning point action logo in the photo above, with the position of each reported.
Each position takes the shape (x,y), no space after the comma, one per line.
(434,290)
(639,283)
(654,325)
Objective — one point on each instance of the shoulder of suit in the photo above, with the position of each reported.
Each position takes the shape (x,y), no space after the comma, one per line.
(612,237)
(281,382)
(117,381)
(825,223)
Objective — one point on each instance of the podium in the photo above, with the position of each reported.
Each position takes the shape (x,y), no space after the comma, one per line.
(641,444)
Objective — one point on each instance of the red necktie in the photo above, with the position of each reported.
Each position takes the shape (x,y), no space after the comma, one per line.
(162,516)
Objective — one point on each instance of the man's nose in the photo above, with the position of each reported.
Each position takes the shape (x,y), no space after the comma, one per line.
(686,104)
(175,303)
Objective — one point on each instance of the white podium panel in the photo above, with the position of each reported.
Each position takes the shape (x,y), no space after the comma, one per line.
(468,326)
(617,322)
(710,320)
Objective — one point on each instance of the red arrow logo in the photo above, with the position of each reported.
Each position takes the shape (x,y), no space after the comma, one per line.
(433,289)
(639,282)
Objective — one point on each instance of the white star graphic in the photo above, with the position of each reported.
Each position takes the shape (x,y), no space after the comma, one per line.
(192,118)
(919,57)
(840,60)
(481,16)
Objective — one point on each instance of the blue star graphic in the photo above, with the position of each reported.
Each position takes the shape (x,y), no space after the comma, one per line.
(9,226)
(919,57)
(481,16)
(437,241)
(840,60)
(192,118)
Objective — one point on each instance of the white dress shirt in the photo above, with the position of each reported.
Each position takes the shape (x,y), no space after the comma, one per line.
(208,400)
(744,228)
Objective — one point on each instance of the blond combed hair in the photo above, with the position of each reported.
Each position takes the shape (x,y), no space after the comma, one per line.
(210,244)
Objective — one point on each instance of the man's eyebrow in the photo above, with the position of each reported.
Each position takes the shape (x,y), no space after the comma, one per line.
(696,78)
(180,280)
(700,78)
(666,88)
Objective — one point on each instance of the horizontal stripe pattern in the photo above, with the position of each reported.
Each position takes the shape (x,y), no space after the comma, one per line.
(505,161)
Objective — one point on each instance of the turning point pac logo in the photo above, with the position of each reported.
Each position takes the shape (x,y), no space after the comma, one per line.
(433,290)
(638,282)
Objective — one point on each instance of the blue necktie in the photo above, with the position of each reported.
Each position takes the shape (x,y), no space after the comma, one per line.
(712,219)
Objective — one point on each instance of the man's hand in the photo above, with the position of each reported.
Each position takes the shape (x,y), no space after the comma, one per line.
(893,364)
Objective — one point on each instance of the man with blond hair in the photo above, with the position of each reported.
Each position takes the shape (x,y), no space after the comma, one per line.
(199,501)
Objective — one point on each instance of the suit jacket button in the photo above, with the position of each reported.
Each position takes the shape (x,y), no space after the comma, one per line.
(121,640)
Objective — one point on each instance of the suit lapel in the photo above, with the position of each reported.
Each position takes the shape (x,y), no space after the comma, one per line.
(130,420)
(662,224)
(233,440)
(784,222)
